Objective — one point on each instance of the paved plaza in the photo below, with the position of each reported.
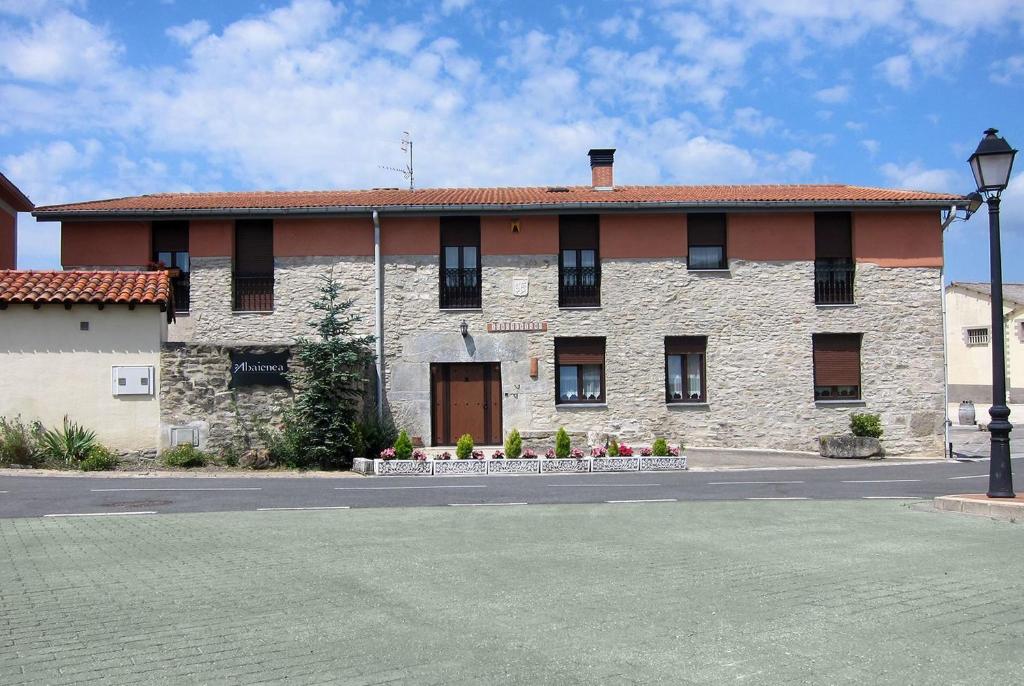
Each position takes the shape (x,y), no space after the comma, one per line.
(693,592)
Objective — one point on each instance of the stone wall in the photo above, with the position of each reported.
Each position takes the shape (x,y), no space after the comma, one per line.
(194,393)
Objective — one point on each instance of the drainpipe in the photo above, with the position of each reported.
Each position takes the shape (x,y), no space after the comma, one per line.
(946,426)
(378,327)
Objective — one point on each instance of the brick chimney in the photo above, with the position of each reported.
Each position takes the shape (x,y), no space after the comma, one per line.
(601,161)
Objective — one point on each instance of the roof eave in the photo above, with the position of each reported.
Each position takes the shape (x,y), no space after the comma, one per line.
(13,196)
(58,214)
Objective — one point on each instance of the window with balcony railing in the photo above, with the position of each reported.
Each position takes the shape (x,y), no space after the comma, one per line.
(579,265)
(460,263)
(170,251)
(834,268)
(253,275)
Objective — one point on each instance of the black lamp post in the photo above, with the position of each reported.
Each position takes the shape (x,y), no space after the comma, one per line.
(991,164)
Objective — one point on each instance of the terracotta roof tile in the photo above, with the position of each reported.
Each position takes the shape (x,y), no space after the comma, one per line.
(499,198)
(84,287)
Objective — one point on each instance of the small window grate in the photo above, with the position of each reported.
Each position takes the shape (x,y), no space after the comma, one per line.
(977,336)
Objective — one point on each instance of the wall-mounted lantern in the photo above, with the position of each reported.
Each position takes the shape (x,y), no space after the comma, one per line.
(464,328)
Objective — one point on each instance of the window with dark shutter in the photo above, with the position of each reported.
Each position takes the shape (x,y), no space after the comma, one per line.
(705,238)
(837,366)
(685,369)
(579,370)
(579,264)
(460,263)
(833,258)
(254,265)
(170,249)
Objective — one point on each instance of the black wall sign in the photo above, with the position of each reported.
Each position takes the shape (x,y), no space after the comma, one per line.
(259,369)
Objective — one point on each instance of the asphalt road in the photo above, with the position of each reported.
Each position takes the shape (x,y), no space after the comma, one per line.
(35,496)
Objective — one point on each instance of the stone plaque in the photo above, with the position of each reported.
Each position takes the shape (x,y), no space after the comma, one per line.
(520,286)
(516,327)
(259,369)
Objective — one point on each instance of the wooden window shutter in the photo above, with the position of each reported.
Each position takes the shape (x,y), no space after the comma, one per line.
(460,231)
(170,237)
(837,359)
(681,345)
(578,231)
(579,350)
(705,229)
(833,233)
(254,246)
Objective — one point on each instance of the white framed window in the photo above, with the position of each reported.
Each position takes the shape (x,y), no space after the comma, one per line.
(977,336)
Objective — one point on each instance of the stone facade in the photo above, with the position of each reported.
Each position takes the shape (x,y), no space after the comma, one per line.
(194,393)
(759,317)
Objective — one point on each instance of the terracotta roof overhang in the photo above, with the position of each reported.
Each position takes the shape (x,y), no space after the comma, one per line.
(13,196)
(499,201)
(84,287)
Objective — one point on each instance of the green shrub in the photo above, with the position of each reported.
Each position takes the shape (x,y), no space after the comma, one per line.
(99,459)
(562,443)
(68,445)
(230,455)
(866,424)
(613,448)
(513,444)
(376,434)
(659,448)
(464,448)
(403,446)
(19,443)
(185,456)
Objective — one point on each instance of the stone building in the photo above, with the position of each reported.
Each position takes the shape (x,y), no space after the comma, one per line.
(722,316)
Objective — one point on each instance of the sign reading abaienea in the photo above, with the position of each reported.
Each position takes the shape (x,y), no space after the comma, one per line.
(259,369)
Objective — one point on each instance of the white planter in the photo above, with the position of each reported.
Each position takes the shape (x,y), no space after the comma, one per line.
(615,464)
(403,467)
(572,465)
(460,467)
(514,466)
(363,465)
(663,464)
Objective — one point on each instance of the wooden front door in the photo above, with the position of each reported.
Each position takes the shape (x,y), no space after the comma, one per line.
(466,399)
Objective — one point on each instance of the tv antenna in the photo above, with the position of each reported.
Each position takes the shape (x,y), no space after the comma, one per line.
(406,171)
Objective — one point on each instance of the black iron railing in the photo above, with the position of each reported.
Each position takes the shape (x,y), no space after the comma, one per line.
(180,291)
(833,282)
(253,293)
(579,286)
(460,289)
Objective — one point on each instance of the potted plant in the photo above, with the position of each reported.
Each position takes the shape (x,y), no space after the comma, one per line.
(506,462)
(468,461)
(402,460)
(661,457)
(564,458)
(861,442)
(612,459)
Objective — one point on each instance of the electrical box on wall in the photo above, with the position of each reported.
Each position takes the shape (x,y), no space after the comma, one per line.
(132,380)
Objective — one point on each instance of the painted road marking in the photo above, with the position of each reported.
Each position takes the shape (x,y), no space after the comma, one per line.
(651,500)
(280,509)
(976,476)
(737,483)
(98,514)
(481,504)
(402,488)
(598,485)
(118,490)
(892,497)
(779,498)
(882,481)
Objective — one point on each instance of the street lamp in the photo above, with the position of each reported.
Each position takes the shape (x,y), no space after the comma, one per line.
(991,164)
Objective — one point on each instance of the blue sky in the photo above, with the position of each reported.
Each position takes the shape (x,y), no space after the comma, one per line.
(103,99)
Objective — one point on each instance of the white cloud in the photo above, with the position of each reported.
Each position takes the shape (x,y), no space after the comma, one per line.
(833,95)
(871,145)
(61,47)
(1008,71)
(896,70)
(187,34)
(450,6)
(915,176)
(753,121)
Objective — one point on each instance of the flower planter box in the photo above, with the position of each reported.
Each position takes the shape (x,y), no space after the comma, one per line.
(663,464)
(514,466)
(403,467)
(571,465)
(362,465)
(615,464)
(850,446)
(460,467)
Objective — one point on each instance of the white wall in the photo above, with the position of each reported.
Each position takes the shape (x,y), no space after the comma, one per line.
(49,367)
